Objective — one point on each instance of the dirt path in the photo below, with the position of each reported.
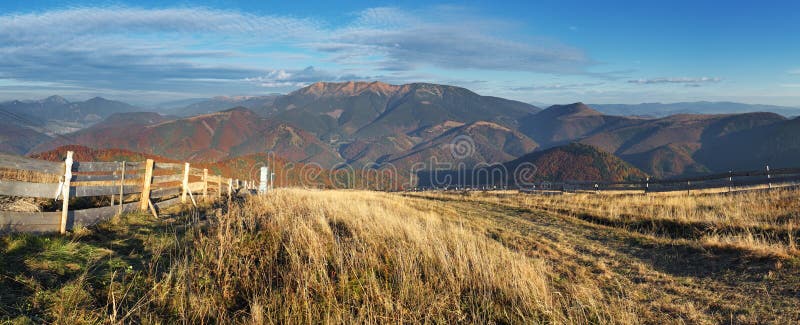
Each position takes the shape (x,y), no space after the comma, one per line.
(668,281)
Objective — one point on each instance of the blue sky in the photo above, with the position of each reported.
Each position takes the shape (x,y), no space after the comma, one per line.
(147,52)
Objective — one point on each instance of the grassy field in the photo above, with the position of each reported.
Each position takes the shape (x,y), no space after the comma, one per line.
(300,256)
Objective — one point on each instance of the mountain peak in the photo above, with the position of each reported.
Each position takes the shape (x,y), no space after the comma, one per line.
(97,99)
(349,88)
(55,99)
(575,109)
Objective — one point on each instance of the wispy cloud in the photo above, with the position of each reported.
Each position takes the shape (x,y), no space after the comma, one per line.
(692,82)
(796,71)
(451,39)
(559,86)
(192,47)
(300,78)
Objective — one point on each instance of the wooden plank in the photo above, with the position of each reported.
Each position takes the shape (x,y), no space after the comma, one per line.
(135,165)
(36,229)
(196,187)
(88,217)
(96,178)
(167,203)
(24,189)
(163,192)
(11,218)
(85,191)
(162,166)
(95,166)
(35,165)
(167,178)
(148,178)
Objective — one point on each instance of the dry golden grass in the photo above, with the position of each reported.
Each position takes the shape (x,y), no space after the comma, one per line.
(304,256)
(700,259)
(764,222)
(299,256)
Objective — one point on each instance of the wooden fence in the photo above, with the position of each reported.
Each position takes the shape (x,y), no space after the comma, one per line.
(146,186)
(733,180)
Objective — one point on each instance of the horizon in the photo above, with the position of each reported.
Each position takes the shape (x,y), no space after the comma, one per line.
(147,53)
(157,105)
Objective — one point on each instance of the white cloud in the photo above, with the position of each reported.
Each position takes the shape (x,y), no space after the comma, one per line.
(692,82)
(300,78)
(559,86)
(192,47)
(452,39)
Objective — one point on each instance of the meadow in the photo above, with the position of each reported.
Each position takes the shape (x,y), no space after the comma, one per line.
(314,256)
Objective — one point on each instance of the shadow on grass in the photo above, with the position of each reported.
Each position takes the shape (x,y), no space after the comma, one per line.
(37,269)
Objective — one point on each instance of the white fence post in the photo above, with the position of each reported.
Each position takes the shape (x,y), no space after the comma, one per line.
(65,191)
(769,182)
(185,182)
(262,185)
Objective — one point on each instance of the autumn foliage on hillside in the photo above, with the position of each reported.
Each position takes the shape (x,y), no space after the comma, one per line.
(579,162)
(83,153)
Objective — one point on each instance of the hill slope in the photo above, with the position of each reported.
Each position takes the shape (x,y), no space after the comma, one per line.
(577,162)
(333,110)
(209,137)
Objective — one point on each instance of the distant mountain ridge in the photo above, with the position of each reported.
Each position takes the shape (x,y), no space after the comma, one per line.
(58,108)
(703,107)
(220,103)
(374,123)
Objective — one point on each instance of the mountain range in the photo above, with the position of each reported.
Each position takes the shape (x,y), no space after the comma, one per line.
(703,107)
(377,124)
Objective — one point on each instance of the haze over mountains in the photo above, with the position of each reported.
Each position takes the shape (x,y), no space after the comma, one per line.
(666,109)
(366,123)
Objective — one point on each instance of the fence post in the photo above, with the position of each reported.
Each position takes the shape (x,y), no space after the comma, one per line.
(205,185)
(647,185)
(185,182)
(769,182)
(230,188)
(263,184)
(121,187)
(730,181)
(65,192)
(688,187)
(219,186)
(148,180)
(272,181)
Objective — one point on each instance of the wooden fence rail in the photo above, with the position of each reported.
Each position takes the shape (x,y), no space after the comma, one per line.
(158,185)
(730,180)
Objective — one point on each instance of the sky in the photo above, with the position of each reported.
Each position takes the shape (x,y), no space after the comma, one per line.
(542,52)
